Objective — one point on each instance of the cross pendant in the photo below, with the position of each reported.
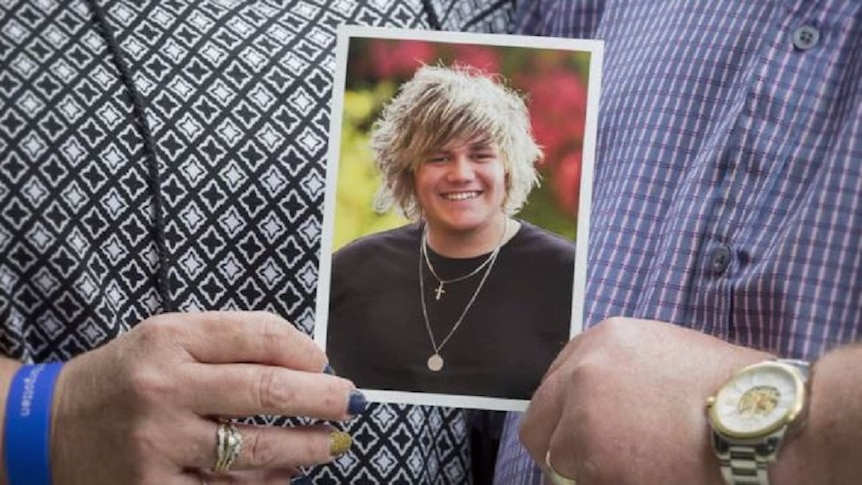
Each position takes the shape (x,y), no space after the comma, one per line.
(439,291)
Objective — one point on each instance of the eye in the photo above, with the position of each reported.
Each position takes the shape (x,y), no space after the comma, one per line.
(437,158)
(485,155)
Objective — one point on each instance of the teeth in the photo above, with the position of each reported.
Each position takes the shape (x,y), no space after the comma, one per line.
(462,195)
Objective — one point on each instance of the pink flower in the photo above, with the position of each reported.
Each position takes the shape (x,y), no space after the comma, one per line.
(399,58)
(567,182)
(557,111)
(478,56)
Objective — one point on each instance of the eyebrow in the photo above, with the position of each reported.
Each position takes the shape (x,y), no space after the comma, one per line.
(472,146)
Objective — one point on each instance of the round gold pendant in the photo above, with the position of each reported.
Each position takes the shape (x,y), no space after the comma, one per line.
(435,363)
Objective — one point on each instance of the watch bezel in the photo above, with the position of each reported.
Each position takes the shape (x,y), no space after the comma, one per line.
(787,418)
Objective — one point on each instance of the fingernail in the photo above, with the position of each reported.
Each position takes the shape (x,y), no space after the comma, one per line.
(303,480)
(339,443)
(329,370)
(357,403)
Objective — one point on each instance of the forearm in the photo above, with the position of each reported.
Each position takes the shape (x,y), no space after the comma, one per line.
(826,450)
(7,370)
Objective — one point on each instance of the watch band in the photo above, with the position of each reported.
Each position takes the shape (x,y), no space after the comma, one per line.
(743,465)
(803,366)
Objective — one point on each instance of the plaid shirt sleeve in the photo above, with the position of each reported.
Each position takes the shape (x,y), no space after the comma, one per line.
(514,466)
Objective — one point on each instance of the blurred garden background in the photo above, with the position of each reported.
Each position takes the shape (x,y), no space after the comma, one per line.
(555,85)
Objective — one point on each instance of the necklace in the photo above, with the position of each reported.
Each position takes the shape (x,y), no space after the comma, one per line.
(438,292)
(435,362)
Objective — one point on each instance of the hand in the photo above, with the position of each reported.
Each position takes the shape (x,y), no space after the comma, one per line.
(624,403)
(143,408)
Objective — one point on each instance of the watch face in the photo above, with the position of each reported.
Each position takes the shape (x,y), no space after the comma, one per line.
(757,401)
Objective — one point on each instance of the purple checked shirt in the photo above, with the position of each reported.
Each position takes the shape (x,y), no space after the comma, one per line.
(728,178)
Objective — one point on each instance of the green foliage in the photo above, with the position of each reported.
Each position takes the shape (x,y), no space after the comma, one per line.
(358,180)
(542,210)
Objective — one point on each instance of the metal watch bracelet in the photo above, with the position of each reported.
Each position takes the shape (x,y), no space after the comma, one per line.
(748,464)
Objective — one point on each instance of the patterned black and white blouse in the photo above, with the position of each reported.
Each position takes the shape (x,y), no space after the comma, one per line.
(170,155)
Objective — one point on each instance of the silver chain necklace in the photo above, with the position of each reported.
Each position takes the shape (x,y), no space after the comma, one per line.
(435,362)
(438,292)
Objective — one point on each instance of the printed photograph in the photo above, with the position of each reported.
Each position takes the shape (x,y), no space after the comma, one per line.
(456,212)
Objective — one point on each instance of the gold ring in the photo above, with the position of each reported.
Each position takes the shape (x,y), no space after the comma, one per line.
(228,445)
(554,475)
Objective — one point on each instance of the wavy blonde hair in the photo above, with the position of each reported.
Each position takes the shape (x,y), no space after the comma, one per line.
(440,105)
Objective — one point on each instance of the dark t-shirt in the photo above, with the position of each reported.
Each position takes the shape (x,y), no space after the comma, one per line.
(518,323)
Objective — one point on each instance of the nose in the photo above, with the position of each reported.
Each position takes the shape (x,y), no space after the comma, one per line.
(461,169)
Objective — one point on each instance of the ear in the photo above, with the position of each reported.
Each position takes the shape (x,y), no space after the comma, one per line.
(507,179)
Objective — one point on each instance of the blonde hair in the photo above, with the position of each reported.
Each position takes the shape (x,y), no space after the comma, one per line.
(440,105)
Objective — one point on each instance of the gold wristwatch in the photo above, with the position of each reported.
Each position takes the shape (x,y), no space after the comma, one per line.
(753,413)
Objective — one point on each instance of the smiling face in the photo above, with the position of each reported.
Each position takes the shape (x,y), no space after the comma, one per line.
(432,110)
(461,189)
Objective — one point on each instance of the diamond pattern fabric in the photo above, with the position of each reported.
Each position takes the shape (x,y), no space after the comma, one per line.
(170,156)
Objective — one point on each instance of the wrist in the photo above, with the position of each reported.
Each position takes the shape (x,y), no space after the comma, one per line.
(8,368)
(754,415)
(27,424)
(826,450)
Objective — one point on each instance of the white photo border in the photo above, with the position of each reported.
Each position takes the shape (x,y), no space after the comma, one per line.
(344,34)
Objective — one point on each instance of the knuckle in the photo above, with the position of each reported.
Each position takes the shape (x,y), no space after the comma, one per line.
(149,385)
(271,394)
(150,331)
(156,332)
(273,330)
(271,325)
(314,448)
(144,368)
(279,337)
(261,453)
(335,397)
(612,325)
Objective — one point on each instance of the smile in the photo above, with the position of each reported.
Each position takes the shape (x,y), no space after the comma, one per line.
(461,195)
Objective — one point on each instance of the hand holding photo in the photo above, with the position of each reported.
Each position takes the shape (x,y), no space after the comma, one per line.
(457,191)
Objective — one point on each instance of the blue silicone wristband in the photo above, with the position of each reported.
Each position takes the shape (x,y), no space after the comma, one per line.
(28,424)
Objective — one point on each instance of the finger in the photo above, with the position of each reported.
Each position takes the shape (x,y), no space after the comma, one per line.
(234,390)
(255,477)
(542,416)
(187,478)
(269,447)
(549,401)
(562,447)
(261,337)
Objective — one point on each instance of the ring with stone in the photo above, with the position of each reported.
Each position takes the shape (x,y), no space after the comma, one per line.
(228,446)
(554,475)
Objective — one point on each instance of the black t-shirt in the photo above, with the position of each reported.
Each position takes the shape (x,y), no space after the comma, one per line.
(517,324)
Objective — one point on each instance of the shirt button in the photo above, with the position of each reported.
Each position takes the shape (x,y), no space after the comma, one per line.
(806,37)
(720,259)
